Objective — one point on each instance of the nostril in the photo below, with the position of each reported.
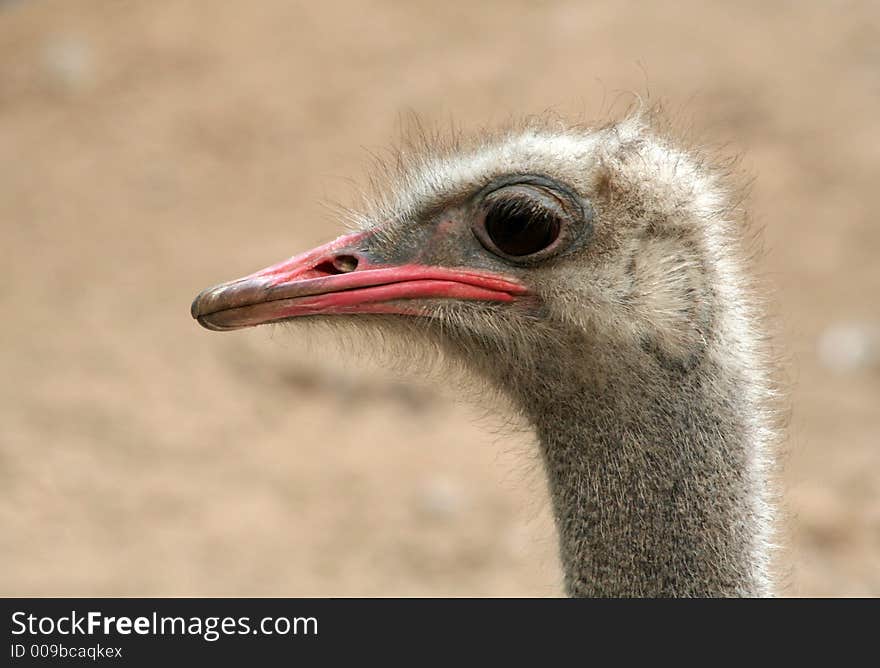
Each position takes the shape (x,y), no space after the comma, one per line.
(345,263)
(341,264)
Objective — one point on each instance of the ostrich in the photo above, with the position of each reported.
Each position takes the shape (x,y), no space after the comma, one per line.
(595,277)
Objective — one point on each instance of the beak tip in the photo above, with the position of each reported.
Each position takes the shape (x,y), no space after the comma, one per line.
(195,308)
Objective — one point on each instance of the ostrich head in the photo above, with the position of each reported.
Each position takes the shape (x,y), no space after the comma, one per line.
(512,250)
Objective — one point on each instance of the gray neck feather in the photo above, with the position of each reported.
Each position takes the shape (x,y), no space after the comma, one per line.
(650,479)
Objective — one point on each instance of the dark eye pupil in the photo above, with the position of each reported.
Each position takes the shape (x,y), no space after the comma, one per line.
(520,228)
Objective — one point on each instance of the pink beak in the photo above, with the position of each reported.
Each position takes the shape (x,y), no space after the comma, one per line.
(338,278)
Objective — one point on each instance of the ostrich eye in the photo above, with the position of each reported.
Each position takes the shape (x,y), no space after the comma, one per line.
(526,219)
(520,226)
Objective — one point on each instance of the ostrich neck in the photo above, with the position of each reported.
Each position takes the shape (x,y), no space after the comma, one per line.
(651,481)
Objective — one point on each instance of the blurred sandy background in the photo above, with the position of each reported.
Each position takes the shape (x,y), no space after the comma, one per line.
(152,148)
